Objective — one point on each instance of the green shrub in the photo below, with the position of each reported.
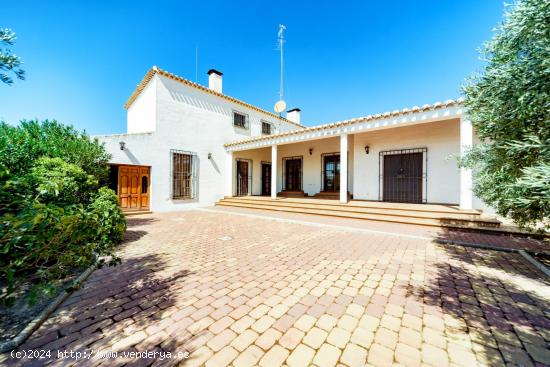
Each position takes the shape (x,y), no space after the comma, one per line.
(105,211)
(22,145)
(42,243)
(12,193)
(56,181)
(55,216)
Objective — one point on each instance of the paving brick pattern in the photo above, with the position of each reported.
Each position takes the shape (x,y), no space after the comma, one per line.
(506,241)
(280,293)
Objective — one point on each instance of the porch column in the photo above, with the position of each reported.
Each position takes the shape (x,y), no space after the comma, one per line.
(228,191)
(344,168)
(274,171)
(466,141)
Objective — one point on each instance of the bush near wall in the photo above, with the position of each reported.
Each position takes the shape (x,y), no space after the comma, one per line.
(56,213)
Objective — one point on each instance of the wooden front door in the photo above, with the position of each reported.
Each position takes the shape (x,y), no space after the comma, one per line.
(133,187)
(144,188)
(403,178)
(266,179)
(331,173)
(293,174)
(242,178)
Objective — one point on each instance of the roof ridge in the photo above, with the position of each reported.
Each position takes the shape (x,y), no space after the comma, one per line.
(156,70)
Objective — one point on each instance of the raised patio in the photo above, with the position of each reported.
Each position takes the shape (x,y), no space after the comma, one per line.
(419,214)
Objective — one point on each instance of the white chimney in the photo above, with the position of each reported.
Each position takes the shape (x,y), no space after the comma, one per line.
(215,80)
(293,115)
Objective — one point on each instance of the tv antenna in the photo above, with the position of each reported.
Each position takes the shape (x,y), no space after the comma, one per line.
(196,63)
(280,106)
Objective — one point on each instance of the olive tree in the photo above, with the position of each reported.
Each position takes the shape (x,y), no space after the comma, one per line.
(9,62)
(509,106)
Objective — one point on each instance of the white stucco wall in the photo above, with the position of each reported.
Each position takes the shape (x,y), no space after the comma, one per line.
(190,120)
(312,164)
(442,140)
(141,116)
(257,156)
(171,115)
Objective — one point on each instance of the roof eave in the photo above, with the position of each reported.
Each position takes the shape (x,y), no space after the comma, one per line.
(370,118)
(155,70)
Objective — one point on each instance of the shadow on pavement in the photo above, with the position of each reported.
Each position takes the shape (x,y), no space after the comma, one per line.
(493,304)
(115,307)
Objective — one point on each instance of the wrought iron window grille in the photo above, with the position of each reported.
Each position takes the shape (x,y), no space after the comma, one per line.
(266,128)
(331,174)
(297,182)
(240,120)
(183,174)
(243,184)
(409,183)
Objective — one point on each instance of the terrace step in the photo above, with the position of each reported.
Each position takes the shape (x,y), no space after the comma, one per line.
(435,208)
(329,195)
(440,216)
(417,210)
(292,194)
(135,212)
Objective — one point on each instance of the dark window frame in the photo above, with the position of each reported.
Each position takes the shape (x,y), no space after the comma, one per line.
(183,183)
(144,184)
(245,124)
(284,173)
(248,179)
(262,164)
(323,156)
(424,179)
(269,125)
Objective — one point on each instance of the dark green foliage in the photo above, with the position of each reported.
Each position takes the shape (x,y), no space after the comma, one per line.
(9,61)
(61,183)
(107,216)
(21,146)
(54,215)
(509,106)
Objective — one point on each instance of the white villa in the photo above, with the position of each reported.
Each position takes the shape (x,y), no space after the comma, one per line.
(188,145)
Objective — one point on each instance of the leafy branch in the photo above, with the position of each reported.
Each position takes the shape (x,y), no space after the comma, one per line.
(9,62)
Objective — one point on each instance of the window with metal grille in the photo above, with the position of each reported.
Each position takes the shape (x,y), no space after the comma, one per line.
(403,175)
(240,120)
(266,128)
(183,174)
(244,177)
(292,173)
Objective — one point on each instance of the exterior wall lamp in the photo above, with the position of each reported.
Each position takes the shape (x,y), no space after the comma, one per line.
(310,151)
(366,149)
(209,155)
(122,145)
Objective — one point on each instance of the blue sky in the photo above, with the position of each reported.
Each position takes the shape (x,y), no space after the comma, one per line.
(342,59)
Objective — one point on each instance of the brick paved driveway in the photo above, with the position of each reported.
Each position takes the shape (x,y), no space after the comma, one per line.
(249,291)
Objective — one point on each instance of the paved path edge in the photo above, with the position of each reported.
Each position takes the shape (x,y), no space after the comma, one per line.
(46,312)
(540,266)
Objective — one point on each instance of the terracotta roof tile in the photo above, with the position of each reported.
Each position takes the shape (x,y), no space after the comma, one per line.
(155,70)
(378,116)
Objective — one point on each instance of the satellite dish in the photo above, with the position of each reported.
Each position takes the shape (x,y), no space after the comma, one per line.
(280,106)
